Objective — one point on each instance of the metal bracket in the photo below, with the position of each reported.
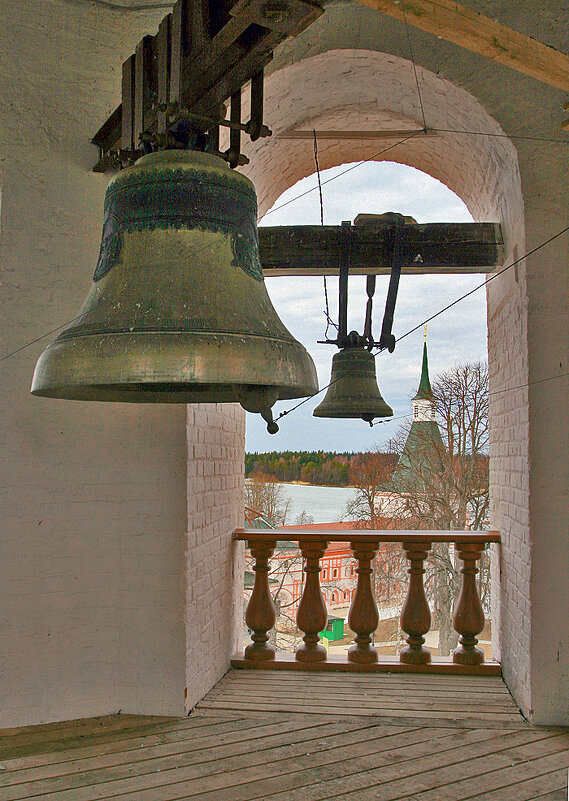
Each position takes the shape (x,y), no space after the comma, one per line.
(176,82)
(353,339)
(386,339)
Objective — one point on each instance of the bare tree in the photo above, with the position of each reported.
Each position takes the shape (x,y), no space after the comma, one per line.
(443,482)
(461,397)
(264,494)
(440,482)
(369,473)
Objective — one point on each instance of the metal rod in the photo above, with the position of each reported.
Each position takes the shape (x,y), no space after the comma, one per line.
(163,46)
(343,285)
(385,134)
(387,340)
(127,120)
(370,289)
(235,132)
(255,125)
(209,121)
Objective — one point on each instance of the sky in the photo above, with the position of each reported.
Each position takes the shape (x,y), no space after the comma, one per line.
(455,337)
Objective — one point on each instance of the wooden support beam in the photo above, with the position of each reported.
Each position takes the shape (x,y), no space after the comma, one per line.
(125,122)
(163,56)
(482,35)
(143,83)
(443,248)
(406,133)
(206,66)
(179,42)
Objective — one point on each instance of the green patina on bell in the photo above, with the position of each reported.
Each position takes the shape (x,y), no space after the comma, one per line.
(353,390)
(178,311)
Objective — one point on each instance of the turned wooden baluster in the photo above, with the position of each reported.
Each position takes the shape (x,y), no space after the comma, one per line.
(416,615)
(312,616)
(363,616)
(468,617)
(261,613)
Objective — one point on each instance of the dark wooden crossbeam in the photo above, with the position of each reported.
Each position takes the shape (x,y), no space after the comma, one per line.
(204,53)
(424,248)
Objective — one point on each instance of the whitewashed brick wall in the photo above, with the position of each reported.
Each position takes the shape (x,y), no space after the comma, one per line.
(319,93)
(509,477)
(92,496)
(548,347)
(214,563)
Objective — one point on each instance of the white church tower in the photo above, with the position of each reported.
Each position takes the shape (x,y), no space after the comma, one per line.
(423,403)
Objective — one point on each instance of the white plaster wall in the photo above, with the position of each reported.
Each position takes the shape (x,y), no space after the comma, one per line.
(93,496)
(509,475)
(215,564)
(548,340)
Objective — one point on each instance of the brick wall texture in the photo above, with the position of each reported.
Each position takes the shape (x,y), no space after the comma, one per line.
(214,563)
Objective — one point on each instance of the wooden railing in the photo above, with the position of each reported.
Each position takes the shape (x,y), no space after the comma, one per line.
(363,618)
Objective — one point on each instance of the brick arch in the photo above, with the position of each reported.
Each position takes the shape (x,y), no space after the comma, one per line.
(365,89)
(355,89)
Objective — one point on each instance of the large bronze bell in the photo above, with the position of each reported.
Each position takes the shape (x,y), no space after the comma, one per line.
(353,389)
(178,311)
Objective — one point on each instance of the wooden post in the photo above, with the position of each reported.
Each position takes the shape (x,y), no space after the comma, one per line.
(142,88)
(312,616)
(261,614)
(363,616)
(163,60)
(416,615)
(127,136)
(468,617)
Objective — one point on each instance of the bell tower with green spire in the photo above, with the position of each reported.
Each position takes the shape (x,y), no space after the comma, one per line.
(423,403)
(424,444)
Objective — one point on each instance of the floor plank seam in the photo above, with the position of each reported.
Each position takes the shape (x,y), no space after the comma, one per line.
(240,770)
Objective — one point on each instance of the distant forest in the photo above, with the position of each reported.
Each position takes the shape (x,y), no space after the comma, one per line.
(313,467)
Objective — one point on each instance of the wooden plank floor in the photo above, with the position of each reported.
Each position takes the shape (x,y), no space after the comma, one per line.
(300,737)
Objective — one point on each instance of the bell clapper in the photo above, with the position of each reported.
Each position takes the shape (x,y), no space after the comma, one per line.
(258,400)
(267,415)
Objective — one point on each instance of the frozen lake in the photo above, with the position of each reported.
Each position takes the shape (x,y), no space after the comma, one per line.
(324,504)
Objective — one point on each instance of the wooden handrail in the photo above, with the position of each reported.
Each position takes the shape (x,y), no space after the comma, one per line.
(468,617)
(357,535)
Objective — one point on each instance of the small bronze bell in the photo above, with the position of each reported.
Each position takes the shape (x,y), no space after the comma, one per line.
(353,389)
(178,311)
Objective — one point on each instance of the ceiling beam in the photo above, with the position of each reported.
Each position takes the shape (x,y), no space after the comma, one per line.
(482,35)
(379,134)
